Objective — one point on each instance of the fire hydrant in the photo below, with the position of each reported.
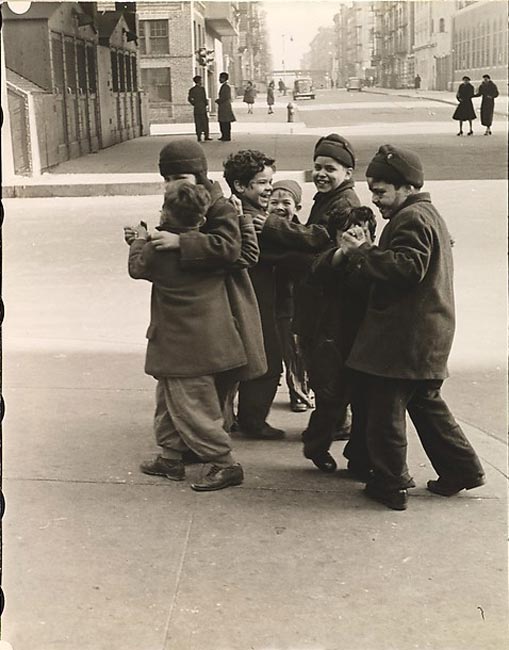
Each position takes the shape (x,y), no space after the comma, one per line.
(290,112)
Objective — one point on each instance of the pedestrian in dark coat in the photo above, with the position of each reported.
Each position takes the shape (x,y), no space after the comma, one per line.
(489,92)
(403,344)
(465,109)
(225,115)
(197,97)
(270,97)
(249,96)
(191,337)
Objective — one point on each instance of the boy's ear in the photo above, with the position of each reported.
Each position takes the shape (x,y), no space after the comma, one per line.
(298,206)
(349,172)
(239,188)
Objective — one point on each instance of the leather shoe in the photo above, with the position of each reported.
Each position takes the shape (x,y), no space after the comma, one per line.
(265,433)
(449,487)
(325,462)
(169,468)
(207,139)
(394,499)
(218,478)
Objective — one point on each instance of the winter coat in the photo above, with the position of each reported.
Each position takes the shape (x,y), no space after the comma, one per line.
(224,104)
(192,331)
(488,91)
(309,297)
(198,99)
(408,329)
(465,109)
(225,242)
(270,96)
(250,95)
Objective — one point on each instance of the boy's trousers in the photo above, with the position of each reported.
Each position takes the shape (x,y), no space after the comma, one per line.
(445,444)
(188,416)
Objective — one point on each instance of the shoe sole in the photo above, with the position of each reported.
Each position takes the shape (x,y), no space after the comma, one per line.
(387,504)
(470,486)
(202,488)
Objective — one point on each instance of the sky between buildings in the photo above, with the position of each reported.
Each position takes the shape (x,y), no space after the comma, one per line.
(292,25)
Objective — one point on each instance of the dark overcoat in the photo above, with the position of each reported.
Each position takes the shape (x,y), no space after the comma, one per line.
(197,97)
(488,91)
(192,330)
(408,329)
(225,242)
(465,109)
(270,95)
(224,104)
(249,95)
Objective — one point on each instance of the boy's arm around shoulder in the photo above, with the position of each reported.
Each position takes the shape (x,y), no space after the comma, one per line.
(290,235)
(141,254)
(218,245)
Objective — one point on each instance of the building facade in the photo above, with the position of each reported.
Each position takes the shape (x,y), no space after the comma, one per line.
(393,43)
(354,27)
(433,33)
(75,89)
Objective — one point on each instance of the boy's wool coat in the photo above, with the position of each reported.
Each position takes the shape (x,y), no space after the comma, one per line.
(409,325)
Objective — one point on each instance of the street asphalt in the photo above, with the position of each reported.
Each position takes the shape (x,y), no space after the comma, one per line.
(98,556)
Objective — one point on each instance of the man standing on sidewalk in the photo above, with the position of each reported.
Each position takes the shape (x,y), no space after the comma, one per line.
(225,114)
(197,97)
(402,347)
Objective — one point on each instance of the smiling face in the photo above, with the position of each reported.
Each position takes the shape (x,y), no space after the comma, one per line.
(328,173)
(282,204)
(387,197)
(259,188)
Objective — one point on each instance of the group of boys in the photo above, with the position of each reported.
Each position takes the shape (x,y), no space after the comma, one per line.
(374,323)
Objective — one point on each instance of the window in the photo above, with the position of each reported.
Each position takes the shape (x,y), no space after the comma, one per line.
(58,63)
(135,73)
(114,71)
(82,67)
(121,72)
(441,25)
(92,85)
(157,81)
(70,64)
(154,37)
(128,73)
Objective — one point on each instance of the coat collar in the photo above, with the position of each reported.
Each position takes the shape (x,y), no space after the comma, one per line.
(320,197)
(420,197)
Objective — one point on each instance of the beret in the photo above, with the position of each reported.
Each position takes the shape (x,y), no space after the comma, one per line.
(397,166)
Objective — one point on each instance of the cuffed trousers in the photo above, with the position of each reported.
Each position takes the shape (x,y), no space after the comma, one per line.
(226,130)
(445,444)
(201,123)
(188,416)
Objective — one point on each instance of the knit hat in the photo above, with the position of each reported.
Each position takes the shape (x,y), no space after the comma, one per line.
(396,166)
(183,156)
(337,147)
(292,187)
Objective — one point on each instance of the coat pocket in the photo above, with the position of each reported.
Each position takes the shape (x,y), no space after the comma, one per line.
(151,331)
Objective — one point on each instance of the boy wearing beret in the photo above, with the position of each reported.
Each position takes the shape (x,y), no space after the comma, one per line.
(403,344)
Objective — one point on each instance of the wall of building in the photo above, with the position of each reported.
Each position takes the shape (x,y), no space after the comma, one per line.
(30,61)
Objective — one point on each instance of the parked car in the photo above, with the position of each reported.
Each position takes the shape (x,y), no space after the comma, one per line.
(303,88)
(354,83)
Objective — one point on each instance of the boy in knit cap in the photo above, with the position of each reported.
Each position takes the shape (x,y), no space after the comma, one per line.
(285,203)
(403,344)
(191,338)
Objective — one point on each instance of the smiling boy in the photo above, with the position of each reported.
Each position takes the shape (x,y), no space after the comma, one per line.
(249,175)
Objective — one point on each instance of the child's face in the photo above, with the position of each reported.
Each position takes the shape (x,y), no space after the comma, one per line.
(328,173)
(282,204)
(259,189)
(171,178)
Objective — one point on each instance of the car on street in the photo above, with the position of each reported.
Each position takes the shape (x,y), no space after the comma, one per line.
(303,88)
(354,83)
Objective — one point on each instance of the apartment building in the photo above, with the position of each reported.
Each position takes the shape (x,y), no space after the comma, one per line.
(354,27)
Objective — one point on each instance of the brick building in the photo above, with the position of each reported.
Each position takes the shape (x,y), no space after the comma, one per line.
(393,43)
(354,41)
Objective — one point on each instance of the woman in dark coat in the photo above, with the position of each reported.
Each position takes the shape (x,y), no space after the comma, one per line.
(249,96)
(270,97)
(488,91)
(465,109)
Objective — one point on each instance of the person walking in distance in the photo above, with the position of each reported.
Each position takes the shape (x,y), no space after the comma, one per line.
(488,91)
(270,97)
(465,109)
(197,97)
(225,114)
(404,340)
(249,96)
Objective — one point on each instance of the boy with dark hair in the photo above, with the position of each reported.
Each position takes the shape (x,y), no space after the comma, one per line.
(192,337)
(403,344)
(249,175)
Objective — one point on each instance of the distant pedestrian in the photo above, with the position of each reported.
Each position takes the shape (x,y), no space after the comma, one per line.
(197,97)
(465,109)
(225,115)
(282,87)
(403,344)
(270,96)
(417,82)
(192,337)
(249,96)
(488,91)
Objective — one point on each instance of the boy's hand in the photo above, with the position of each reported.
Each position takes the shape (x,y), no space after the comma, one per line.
(259,221)
(165,241)
(352,239)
